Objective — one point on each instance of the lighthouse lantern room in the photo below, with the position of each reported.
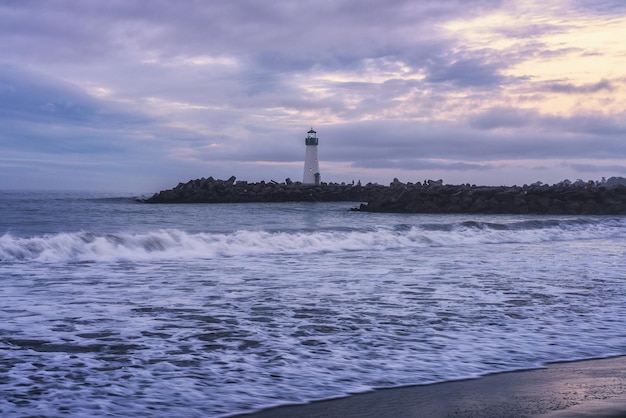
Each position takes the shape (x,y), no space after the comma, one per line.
(311,163)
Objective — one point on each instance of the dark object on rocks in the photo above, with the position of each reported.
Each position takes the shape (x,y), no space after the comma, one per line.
(430,197)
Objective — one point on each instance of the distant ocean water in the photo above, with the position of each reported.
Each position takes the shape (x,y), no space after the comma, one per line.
(113,307)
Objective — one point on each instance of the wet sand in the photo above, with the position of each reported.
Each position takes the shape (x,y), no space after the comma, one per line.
(590,388)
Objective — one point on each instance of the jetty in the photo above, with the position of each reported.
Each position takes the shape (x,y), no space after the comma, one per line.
(580,198)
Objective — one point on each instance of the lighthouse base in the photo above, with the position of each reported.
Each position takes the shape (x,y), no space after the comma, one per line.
(311,166)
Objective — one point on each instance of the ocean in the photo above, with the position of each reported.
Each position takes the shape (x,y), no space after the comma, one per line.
(113,307)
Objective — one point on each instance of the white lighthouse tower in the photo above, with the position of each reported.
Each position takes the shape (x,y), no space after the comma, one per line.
(311,163)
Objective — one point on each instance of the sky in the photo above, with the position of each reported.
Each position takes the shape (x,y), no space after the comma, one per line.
(137,96)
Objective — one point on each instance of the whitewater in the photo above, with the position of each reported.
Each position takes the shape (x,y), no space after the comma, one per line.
(113,307)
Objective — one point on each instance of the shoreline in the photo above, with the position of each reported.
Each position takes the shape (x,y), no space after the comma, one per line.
(580,388)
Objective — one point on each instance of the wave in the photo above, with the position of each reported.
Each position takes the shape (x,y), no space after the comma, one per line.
(533,224)
(175,244)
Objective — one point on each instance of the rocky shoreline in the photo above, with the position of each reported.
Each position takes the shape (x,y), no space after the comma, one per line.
(590,198)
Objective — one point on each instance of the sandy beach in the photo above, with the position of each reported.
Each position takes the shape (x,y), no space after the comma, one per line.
(589,388)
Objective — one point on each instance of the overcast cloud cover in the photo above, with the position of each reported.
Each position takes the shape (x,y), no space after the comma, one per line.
(129,95)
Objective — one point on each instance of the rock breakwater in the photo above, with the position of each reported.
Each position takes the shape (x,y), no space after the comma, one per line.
(536,199)
(428,197)
(232,191)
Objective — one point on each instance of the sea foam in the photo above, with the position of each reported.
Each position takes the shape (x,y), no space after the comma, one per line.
(175,244)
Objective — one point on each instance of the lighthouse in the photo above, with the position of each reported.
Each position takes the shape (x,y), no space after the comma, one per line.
(311,163)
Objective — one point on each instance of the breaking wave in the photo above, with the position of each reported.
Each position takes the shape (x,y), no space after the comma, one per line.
(175,244)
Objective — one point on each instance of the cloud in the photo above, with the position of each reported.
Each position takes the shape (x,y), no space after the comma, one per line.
(44,114)
(531,31)
(363,144)
(570,88)
(34,97)
(230,88)
(303,32)
(504,117)
(591,123)
(421,164)
(610,7)
(465,72)
(597,168)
